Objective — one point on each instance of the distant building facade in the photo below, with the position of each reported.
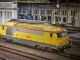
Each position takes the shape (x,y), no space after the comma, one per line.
(63,14)
(8,10)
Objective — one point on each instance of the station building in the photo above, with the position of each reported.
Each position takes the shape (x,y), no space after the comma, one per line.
(8,10)
(57,13)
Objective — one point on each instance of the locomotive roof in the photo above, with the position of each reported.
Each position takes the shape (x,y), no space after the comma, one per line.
(33,25)
(27,21)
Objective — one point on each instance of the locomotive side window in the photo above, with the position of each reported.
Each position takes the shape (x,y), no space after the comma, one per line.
(59,35)
(50,34)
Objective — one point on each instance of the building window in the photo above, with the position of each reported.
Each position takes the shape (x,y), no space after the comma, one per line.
(42,11)
(8,14)
(49,18)
(24,11)
(48,11)
(36,17)
(73,13)
(56,18)
(42,18)
(64,12)
(64,19)
(29,11)
(0,14)
(5,14)
(35,12)
(56,12)
(19,10)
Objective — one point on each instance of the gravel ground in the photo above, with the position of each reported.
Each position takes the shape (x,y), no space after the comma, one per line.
(74,50)
(26,49)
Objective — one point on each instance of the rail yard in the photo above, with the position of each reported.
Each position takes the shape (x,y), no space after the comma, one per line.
(29,52)
(39,29)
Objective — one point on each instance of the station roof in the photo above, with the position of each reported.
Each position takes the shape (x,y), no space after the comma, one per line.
(7,0)
(51,1)
(65,1)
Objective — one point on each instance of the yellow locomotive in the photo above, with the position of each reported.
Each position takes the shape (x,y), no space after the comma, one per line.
(35,33)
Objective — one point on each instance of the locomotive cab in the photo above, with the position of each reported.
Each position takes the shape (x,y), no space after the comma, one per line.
(60,40)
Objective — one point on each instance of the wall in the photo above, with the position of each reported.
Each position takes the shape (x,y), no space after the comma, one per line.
(8,11)
(62,15)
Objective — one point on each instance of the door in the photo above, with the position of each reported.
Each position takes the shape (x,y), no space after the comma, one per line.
(56,20)
(36,17)
(51,40)
(49,18)
(64,20)
(73,21)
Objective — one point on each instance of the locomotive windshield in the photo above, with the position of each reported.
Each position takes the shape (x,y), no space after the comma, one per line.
(60,35)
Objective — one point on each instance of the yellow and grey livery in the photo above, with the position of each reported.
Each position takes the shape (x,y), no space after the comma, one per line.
(35,33)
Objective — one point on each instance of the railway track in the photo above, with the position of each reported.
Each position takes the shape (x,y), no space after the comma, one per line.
(73,29)
(35,57)
(1,58)
(64,54)
(74,38)
(72,56)
(21,53)
(74,41)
